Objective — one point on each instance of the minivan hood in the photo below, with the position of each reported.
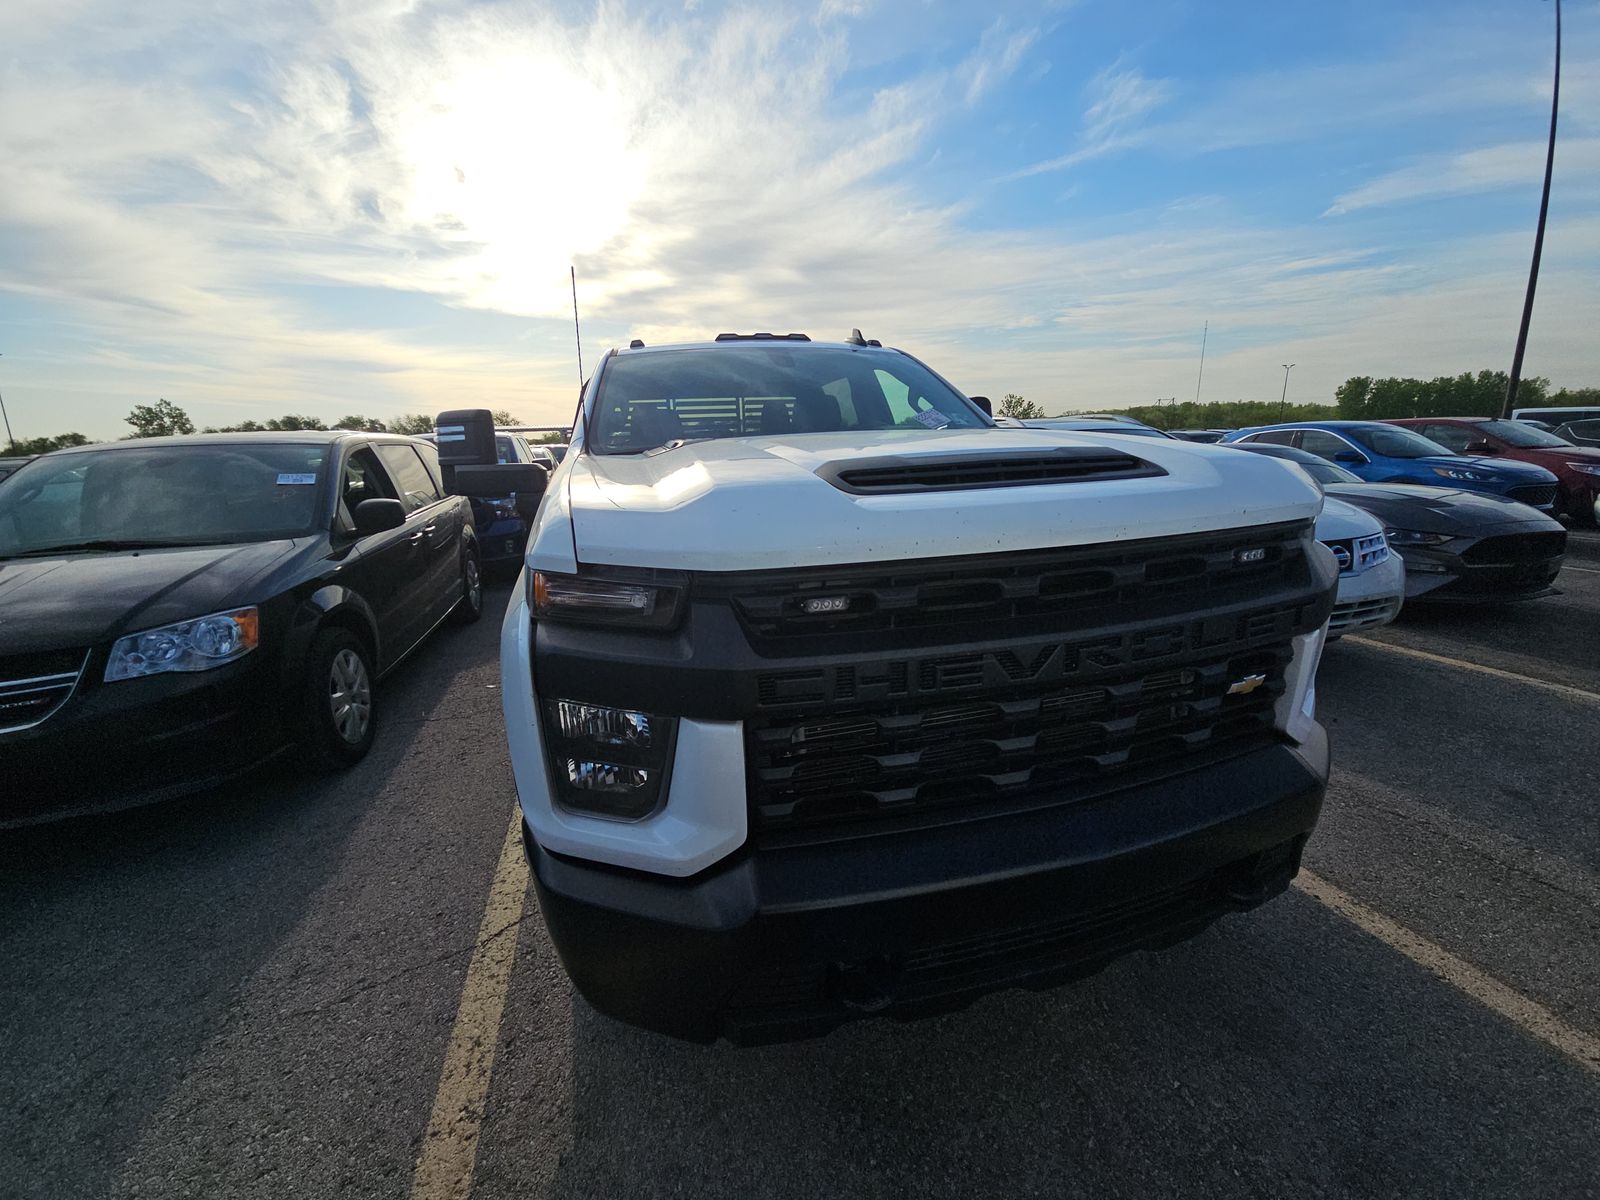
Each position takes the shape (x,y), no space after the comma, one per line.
(73,601)
(753,503)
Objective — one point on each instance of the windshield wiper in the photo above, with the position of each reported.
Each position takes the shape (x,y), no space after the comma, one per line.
(104,544)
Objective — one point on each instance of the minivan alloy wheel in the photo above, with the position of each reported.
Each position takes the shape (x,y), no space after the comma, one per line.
(350,696)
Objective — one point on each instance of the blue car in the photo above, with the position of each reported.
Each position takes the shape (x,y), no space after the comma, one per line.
(1380,453)
(502,522)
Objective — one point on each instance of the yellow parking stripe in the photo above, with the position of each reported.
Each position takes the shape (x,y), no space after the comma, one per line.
(1563,689)
(1529,1016)
(444,1169)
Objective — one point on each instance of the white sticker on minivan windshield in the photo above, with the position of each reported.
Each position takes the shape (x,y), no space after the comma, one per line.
(293,478)
(933,419)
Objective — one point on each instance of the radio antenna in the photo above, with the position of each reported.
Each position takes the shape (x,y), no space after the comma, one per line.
(576,333)
(1204,334)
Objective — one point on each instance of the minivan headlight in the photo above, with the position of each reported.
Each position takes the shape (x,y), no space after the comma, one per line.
(196,645)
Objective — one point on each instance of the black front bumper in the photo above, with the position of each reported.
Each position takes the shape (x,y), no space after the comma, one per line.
(141,741)
(791,942)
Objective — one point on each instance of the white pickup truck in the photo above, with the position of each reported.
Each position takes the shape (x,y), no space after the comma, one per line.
(827,696)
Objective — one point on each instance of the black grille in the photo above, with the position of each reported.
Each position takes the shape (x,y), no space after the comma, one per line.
(994,596)
(1516,548)
(32,686)
(1070,464)
(1061,741)
(1536,494)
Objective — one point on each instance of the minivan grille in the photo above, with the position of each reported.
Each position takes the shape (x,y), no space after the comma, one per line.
(993,596)
(33,686)
(1062,741)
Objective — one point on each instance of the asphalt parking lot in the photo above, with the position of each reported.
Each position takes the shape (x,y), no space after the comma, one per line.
(279,991)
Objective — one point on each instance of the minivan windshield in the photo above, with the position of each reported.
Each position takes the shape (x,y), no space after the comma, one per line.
(664,397)
(130,496)
(1391,441)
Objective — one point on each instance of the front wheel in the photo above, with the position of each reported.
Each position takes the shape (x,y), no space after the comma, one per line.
(337,701)
(470,607)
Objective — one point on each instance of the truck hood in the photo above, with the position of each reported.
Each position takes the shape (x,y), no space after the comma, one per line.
(73,601)
(753,503)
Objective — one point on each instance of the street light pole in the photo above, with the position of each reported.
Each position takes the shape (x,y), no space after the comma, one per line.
(11,442)
(1284,398)
(1538,237)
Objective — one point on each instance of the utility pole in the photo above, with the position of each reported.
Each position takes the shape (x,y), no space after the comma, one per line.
(1538,236)
(1204,333)
(11,442)
(1160,400)
(1284,398)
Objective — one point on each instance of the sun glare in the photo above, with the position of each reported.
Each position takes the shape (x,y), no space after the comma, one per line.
(525,165)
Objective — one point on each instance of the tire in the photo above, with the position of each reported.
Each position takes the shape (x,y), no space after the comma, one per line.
(470,607)
(337,708)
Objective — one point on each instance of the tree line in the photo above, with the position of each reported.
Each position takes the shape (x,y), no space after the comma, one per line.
(166,419)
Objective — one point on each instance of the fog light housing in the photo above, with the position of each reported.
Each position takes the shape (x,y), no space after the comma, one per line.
(607,762)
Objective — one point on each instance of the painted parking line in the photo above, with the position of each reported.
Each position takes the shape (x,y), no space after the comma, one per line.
(1583,570)
(1528,1015)
(1562,689)
(444,1168)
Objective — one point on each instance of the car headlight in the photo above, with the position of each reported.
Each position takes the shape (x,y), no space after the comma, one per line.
(1414,537)
(196,645)
(1460,473)
(640,599)
(1586,468)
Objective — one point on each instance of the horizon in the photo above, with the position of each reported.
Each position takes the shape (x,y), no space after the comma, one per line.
(372,209)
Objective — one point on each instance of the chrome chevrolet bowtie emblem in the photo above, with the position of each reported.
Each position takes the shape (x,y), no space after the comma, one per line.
(1243,687)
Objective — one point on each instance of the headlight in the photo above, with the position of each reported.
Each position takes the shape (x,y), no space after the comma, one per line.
(196,645)
(1586,468)
(1460,473)
(619,599)
(1414,537)
(607,762)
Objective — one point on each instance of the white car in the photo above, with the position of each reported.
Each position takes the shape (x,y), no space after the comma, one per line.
(827,696)
(1372,578)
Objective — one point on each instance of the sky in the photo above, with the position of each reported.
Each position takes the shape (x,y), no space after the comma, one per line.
(371,206)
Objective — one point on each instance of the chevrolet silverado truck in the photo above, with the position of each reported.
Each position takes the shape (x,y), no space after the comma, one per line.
(827,696)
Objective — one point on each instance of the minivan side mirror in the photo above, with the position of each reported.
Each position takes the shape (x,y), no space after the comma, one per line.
(1354,457)
(984,403)
(377,515)
(523,480)
(1481,448)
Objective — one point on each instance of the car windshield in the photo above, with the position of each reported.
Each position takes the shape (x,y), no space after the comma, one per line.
(1391,441)
(1116,427)
(1327,472)
(161,495)
(668,396)
(1523,436)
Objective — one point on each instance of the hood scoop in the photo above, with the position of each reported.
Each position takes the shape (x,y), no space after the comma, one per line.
(900,474)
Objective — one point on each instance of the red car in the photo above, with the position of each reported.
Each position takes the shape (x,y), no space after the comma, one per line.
(1576,468)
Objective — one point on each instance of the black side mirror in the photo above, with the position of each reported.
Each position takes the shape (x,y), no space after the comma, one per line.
(1481,448)
(375,516)
(984,403)
(1354,457)
(523,480)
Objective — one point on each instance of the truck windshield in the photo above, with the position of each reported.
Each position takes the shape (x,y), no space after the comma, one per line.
(654,399)
(161,496)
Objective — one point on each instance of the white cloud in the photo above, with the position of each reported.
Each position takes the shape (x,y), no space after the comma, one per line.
(999,52)
(1123,98)
(1491,168)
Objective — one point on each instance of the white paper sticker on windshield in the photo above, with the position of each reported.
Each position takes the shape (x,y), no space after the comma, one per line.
(291,478)
(933,419)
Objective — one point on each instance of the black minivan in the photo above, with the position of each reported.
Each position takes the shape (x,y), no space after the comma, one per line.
(174,611)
